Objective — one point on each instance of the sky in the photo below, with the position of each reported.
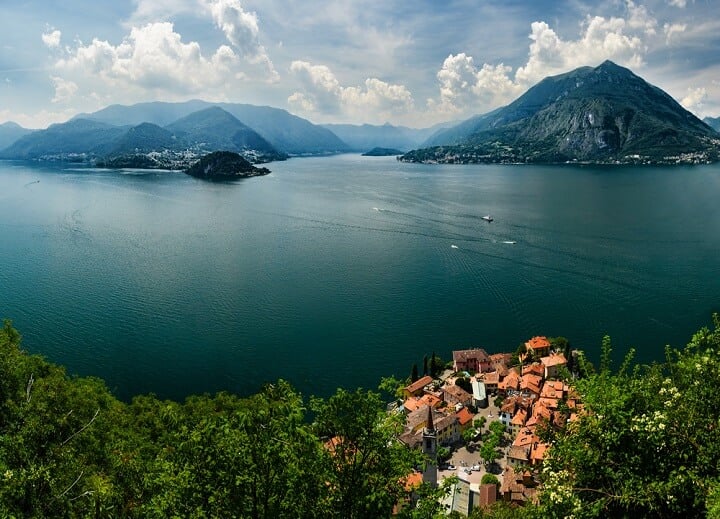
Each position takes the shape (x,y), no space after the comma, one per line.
(342,61)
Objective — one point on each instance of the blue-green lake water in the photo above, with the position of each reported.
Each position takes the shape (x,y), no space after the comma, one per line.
(337,271)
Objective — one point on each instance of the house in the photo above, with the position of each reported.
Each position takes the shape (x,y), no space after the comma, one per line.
(416,402)
(447,428)
(507,411)
(491,380)
(417,387)
(538,346)
(537,453)
(518,456)
(456,395)
(518,421)
(511,382)
(475,360)
(535,368)
(518,486)
(465,419)
(553,389)
(531,384)
(552,364)
(500,361)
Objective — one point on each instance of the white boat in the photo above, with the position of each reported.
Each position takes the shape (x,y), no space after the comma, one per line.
(487,218)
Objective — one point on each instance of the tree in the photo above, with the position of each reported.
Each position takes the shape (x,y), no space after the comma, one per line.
(414,373)
(648,442)
(489,479)
(365,464)
(436,365)
(464,383)
(425,365)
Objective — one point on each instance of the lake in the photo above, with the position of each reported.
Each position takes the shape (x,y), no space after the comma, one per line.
(336,271)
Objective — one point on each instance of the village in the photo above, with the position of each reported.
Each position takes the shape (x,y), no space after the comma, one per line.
(487,433)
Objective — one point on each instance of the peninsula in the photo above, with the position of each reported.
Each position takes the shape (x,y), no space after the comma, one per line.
(224,165)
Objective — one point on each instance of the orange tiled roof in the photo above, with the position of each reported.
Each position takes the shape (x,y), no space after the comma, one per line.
(419,384)
(464,416)
(538,342)
(520,417)
(554,359)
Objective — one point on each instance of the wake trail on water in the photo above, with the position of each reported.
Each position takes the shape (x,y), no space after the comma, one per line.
(579,274)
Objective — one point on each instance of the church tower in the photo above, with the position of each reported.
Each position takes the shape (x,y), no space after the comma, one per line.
(429,449)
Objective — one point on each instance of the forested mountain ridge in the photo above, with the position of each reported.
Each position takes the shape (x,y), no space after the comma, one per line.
(286,132)
(604,114)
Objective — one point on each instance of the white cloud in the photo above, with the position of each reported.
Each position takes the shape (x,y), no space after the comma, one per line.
(465,87)
(462,85)
(601,39)
(640,18)
(241,29)
(323,94)
(64,89)
(52,38)
(151,60)
(672,29)
(694,99)
(678,3)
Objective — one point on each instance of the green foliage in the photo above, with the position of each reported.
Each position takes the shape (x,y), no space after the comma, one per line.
(366,466)
(68,448)
(443,454)
(648,444)
(414,373)
(464,383)
(489,479)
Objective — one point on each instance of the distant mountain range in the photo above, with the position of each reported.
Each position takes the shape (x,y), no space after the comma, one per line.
(713,122)
(118,135)
(366,137)
(286,132)
(11,132)
(604,114)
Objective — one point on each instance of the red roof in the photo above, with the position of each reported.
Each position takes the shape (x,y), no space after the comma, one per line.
(538,343)
(419,384)
(464,416)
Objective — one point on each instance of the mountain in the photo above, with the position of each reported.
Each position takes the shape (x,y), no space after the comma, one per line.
(365,137)
(10,132)
(458,133)
(602,114)
(286,132)
(75,137)
(214,129)
(713,122)
(143,138)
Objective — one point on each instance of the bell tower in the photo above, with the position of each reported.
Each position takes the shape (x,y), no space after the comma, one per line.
(429,449)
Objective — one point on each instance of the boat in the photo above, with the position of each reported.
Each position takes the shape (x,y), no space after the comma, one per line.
(487,218)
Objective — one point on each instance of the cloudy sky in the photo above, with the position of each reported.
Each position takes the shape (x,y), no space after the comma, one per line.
(413,63)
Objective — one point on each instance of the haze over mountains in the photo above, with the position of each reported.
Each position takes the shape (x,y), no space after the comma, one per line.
(602,114)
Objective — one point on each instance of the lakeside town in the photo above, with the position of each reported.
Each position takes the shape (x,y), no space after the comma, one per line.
(480,421)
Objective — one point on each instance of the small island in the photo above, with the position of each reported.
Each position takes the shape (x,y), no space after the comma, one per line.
(224,165)
(382,152)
